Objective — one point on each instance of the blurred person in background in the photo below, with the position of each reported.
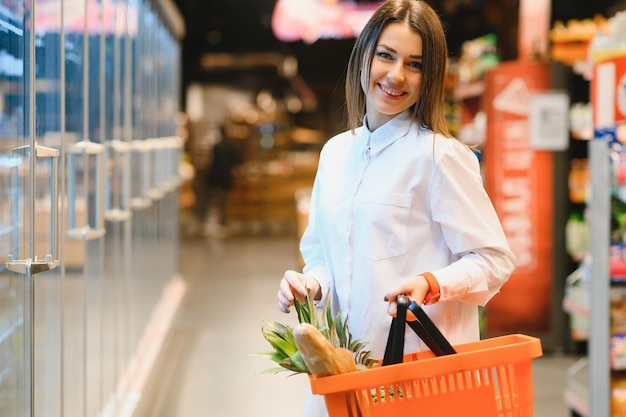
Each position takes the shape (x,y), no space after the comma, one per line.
(220,177)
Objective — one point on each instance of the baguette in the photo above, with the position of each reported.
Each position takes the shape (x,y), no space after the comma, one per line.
(319,355)
(344,361)
(317,351)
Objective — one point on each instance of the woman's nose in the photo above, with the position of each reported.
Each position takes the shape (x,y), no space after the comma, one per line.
(396,72)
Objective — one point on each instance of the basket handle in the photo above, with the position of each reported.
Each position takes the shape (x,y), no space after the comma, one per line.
(395,342)
(423,327)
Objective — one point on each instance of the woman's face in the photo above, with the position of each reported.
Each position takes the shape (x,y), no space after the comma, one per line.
(395,74)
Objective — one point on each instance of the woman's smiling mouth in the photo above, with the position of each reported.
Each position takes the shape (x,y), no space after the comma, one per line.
(390,91)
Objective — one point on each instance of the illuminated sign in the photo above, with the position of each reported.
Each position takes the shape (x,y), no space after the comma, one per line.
(310,20)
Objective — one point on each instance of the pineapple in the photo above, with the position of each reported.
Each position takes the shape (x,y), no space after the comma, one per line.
(335,329)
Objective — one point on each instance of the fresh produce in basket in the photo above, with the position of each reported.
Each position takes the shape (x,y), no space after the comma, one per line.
(319,355)
(319,344)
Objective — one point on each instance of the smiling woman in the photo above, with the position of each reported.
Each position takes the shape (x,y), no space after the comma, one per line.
(398,205)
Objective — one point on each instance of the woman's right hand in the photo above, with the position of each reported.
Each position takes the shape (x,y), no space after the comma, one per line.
(415,288)
(298,285)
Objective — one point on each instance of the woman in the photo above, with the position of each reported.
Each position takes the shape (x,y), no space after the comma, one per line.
(398,205)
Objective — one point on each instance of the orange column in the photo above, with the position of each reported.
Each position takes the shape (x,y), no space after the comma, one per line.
(519,181)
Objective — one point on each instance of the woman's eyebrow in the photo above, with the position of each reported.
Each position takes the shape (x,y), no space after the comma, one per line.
(394,51)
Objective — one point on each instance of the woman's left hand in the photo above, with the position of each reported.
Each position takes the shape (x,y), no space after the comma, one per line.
(294,284)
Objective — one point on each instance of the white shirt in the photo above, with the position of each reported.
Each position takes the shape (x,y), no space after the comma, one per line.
(394,203)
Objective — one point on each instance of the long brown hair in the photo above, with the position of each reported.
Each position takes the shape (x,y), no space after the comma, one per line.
(429,111)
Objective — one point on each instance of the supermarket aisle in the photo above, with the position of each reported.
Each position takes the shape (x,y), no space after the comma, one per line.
(205,368)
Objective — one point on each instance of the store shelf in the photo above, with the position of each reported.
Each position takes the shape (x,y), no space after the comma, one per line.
(469,90)
(574,305)
(588,380)
(576,394)
(607,274)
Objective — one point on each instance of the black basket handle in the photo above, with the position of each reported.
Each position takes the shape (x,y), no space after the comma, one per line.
(423,327)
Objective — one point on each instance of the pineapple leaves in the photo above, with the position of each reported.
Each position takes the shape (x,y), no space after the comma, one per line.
(280,337)
(298,362)
(334,328)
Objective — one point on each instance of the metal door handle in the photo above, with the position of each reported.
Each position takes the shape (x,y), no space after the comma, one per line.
(117,181)
(86,149)
(174,149)
(156,188)
(34,265)
(166,154)
(140,194)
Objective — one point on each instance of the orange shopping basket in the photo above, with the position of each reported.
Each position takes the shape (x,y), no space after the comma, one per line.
(487,378)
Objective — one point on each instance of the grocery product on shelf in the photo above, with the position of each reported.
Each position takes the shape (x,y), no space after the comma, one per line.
(571,40)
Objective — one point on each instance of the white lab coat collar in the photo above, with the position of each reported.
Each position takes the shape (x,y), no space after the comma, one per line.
(386,134)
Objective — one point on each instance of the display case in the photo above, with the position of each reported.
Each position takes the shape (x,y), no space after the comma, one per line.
(81,277)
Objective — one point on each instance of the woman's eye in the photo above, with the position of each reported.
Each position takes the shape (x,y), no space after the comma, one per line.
(384,55)
(416,65)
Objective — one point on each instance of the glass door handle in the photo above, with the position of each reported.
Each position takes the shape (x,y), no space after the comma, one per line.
(86,158)
(174,147)
(117,181)
(31,266)
(165,159)
(156,189)
(140,190)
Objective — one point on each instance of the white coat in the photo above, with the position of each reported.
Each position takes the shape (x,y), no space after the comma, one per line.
(391,204)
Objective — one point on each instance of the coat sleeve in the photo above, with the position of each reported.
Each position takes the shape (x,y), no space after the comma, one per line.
(483,261)
(311,246)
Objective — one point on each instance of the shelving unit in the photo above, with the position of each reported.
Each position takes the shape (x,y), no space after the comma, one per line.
(593,397)
(603,367)
(576,294)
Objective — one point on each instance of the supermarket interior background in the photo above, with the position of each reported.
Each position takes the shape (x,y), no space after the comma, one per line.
(146,304)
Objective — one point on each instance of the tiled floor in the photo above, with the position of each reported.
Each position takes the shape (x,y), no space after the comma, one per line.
(205,368)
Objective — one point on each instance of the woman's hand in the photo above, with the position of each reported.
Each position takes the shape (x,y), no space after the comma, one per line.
(295,284)
(415,288)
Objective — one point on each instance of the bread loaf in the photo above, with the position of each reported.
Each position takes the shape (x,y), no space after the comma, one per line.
(344,361)
(320,356)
